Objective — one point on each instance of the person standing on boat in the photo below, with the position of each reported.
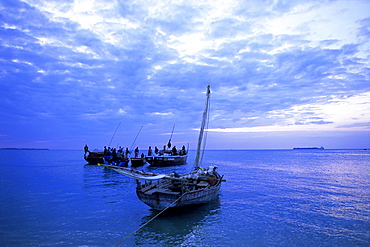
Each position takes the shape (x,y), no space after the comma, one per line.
(114,155)
(136,152)
(119,154)
(150,151)
(109,153)
(86,148)
(127,152)
(174,150)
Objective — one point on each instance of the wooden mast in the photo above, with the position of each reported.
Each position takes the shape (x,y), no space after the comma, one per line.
(201,132)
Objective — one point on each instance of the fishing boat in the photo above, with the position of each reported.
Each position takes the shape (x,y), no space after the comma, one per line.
(168,156)
(180,190)
(163,191)
(167,159)
(94,158)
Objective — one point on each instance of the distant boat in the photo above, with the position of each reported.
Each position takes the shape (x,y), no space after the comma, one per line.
(199,186)
(167,159)
(168,156)
(311,148)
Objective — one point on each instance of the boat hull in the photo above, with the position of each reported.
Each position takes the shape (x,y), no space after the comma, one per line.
(94,158)
(135,162)
(163,160)
(111,162)
(160,200)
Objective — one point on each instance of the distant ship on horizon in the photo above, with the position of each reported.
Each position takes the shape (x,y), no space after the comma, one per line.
(311,148)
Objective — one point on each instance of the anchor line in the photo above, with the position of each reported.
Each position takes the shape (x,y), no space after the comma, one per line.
(120,242)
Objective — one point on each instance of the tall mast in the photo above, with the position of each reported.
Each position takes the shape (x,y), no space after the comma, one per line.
(169,141)
(114,134)
(201,132)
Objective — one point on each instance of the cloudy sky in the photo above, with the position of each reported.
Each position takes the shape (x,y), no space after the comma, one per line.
(283,74)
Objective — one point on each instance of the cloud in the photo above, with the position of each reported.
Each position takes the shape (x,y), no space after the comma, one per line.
(87,65)
(356,125)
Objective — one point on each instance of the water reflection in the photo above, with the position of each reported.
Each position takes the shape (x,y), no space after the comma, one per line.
(178,226)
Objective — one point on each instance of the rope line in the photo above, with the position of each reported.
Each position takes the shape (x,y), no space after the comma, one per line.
(120,242)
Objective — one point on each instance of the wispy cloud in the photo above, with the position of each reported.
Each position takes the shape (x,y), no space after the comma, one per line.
(273,65)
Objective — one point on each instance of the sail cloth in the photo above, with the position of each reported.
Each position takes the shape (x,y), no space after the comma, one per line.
(138,175)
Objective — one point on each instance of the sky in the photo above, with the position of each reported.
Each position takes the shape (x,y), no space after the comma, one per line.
(283,74)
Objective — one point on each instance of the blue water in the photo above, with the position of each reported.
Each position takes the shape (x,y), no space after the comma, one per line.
(270,198)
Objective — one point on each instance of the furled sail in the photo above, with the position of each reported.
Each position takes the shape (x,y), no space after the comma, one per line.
(132,173)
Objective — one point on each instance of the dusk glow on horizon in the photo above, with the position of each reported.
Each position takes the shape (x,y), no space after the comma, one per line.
(283,74)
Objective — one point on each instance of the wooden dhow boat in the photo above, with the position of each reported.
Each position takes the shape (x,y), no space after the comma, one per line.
(168,156)
(167,159)
(163,191)
(94,158)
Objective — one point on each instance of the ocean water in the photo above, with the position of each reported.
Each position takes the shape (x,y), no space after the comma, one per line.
(270,198)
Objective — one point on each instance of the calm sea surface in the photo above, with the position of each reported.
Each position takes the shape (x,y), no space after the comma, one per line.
(270,198)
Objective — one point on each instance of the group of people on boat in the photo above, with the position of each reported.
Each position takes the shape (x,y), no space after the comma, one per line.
(116,155)
(166,150)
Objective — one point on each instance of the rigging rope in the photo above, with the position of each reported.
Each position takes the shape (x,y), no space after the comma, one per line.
(120,242)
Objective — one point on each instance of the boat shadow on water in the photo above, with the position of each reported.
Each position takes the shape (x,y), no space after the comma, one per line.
(175,225)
